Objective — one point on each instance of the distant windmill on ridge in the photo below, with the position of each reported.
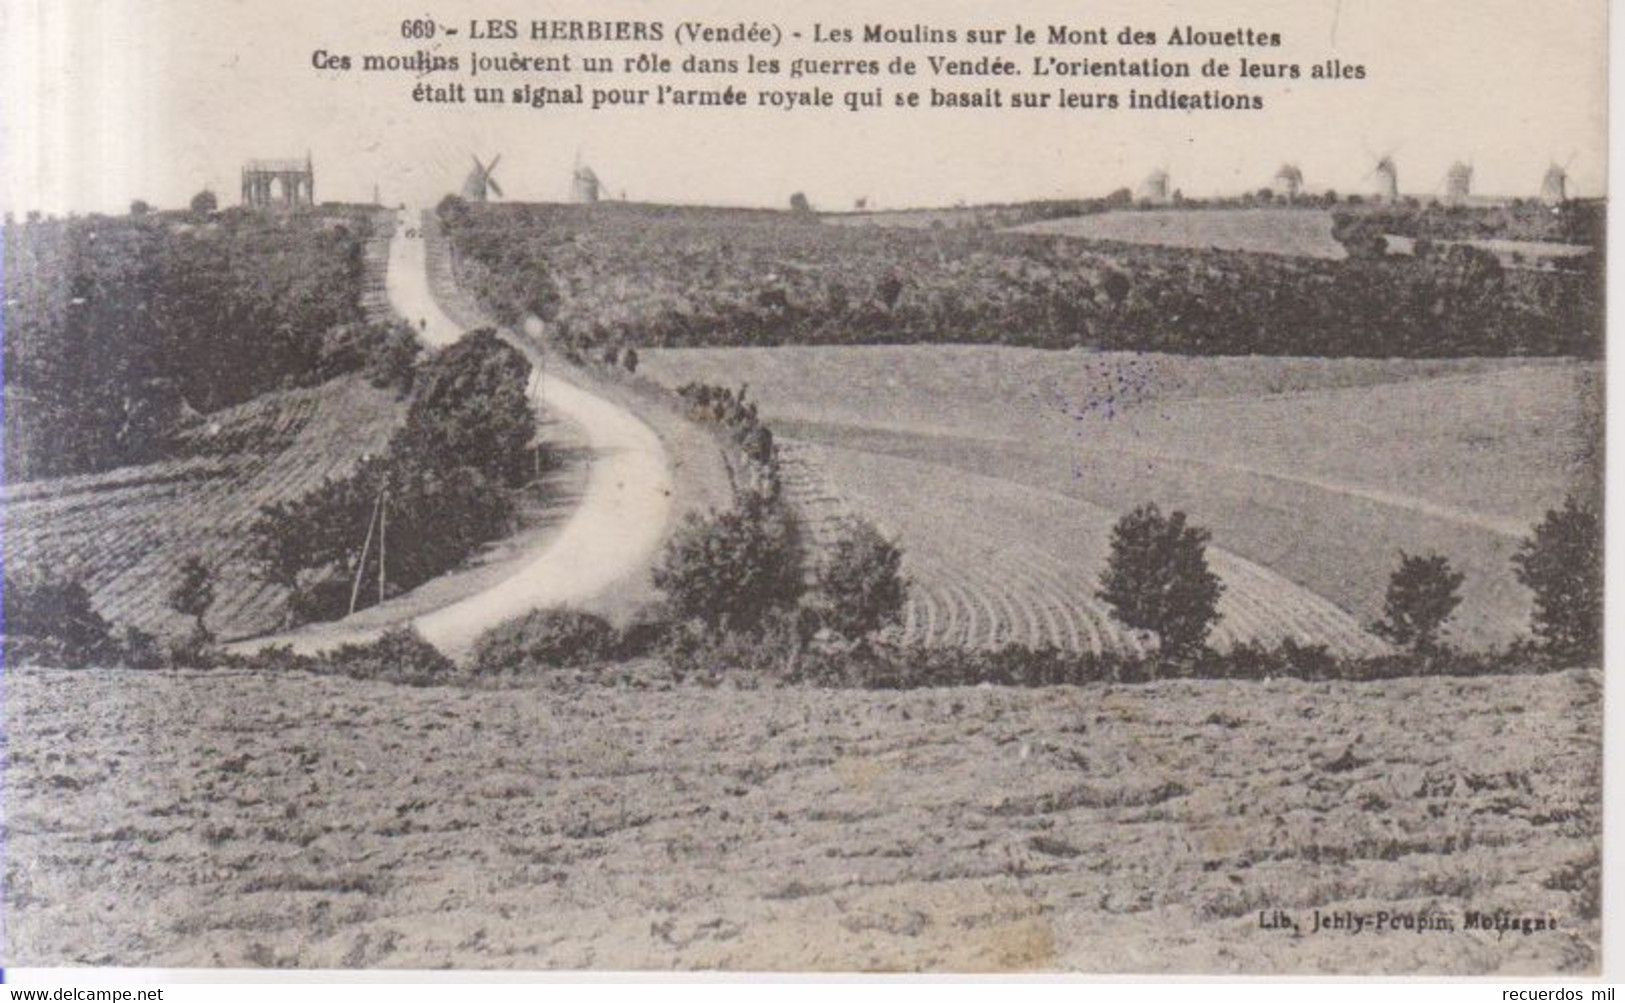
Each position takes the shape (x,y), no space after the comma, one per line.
(584,184)
(1458,183)
(480,184)
(1387,174)
(1290,180)
(1554,187)
(1155,187)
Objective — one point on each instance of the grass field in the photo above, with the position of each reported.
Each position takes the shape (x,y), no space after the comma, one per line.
(124,533)
(1001,470)
(1297,232)
(324,822)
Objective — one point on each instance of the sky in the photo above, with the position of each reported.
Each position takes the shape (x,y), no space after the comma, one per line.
(106,101)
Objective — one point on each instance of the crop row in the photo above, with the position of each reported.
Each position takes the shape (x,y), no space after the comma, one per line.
(992,563)
(125,533)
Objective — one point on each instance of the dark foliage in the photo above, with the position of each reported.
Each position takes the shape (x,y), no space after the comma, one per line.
(1562,563)
(651,275)
(732,569)
(861,586)
(543,639)
(470,409)
(116,329)
(1573,222)
(441,489)
(50,621)
(882,667)
(1423,594)
(194,593)
(398,655)
(1157,579)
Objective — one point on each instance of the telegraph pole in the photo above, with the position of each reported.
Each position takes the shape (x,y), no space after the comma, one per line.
(383,536)
(366,548)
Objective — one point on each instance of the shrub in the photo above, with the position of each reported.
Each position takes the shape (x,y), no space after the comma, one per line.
(773,651)
(862,586)
(730,569)
(194,594)
(542,639)
(1423,593)
(385,353)
(470,409)
(399,655)
(440,488)
(50,621)
(1561,562)
(1157,579)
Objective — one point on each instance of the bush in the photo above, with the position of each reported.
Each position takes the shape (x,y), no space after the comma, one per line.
(210,315)
(1157,579)
(731,569)
(440,488)
(885,667)
(862,587)
(1423,593)
(774,651)
(194,594)
(544,638)
(1562,563)
(399,655)
(385,353)
(470,409)
(50,621)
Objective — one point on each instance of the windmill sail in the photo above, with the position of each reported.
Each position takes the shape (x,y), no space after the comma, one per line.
(480,184)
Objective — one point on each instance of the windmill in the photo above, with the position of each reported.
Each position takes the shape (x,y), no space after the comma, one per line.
(1387,174)
(1458,183)
(584,184)
(1155,187)
(480,185)
(1290,180)
(1554,187)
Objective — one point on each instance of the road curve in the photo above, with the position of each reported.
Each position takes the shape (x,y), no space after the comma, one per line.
(618,522)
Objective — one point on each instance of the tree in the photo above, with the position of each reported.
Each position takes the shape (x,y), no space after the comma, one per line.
(204,203)
(1561,562)
(1423,593)
(1157,579)
(50,621)
(469,409)
(140,207)
(862,584)
(1116,286)
(194,593)
(731,569)
(889,288)
(799,203)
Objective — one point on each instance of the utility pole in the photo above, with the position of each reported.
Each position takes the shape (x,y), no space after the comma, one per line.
(383,536)
(366,548)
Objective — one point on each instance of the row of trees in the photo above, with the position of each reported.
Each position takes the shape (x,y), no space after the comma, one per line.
(50,620)
(118,329)
(1157,579)
(1573,222)
(445,485)
(615,275)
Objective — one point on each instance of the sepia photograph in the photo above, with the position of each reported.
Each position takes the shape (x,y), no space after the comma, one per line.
(886,487)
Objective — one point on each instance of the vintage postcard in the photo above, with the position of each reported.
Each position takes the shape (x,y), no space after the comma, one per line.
(854,485)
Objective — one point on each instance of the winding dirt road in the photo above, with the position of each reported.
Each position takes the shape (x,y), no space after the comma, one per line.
(619,519)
